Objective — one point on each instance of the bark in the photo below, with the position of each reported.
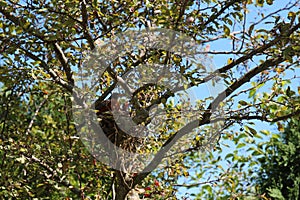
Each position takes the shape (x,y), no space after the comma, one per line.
(122,187)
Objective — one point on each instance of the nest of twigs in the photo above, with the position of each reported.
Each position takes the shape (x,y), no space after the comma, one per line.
(112,129)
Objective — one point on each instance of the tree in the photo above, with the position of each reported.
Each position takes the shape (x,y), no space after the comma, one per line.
(279,174)
(43,50)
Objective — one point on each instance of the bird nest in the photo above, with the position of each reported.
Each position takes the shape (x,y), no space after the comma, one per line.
(112,129)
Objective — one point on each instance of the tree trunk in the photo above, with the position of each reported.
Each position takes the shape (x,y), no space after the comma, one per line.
(122,188)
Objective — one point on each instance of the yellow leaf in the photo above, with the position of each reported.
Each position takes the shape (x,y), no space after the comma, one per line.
(280,127)
(229,61)
(279,70)
(177,58)
(226,30)
(185,173)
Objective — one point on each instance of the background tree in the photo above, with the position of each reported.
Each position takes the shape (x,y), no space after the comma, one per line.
(43,44)
(279,175)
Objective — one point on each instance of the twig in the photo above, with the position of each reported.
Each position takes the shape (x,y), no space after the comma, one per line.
(64,62)
(34,116)
(54,174)
(84,23)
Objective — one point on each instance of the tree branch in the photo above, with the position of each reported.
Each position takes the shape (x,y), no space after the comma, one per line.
(64,62)
(52,73)
(250,54)
(263,117)
(221,11)
(34,116)
(246,78)
(55,175)
(84,23)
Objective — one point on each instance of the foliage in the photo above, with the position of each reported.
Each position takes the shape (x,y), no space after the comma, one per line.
(43,45)
(279,175)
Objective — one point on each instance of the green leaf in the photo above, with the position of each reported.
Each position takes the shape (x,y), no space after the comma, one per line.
(269,2)
(243,103)
(291,16)
(3,3)
(252,92)
(226,30)
(42,10)
(260,2)
(275,193)
(252,130)
(240,145)
(265,132)
(257,153)
(296,48)
(275,136)
(39,185)
(228,156)
(21,159)
(258,136)
(19,31)
(251,29)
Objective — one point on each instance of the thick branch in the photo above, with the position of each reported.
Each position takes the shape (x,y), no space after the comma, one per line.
(246,78)
(168,145)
